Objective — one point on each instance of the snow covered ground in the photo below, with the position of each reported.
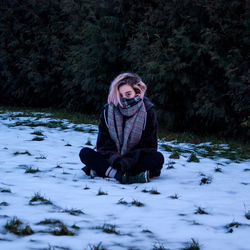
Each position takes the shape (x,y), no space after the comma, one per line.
(47,202)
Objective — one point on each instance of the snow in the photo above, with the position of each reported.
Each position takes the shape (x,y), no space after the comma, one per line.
(161,222)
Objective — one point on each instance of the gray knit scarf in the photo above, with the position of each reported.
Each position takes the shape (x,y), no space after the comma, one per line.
(127,135)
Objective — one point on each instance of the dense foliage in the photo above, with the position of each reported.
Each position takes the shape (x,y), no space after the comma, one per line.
(193,54)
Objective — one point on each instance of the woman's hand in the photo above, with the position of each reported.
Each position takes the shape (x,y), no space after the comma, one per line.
(140,89)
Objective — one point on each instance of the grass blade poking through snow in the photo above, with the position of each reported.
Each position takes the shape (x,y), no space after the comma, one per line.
(37,199)
(15,226)
(100,192)
(31,170)
(194,245)
(109,229)
(193,158)
(137,203)
(200,211)
(72,211)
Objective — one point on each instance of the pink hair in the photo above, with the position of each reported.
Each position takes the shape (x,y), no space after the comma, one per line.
(125,78)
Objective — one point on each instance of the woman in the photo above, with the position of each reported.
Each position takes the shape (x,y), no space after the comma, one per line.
(127,139)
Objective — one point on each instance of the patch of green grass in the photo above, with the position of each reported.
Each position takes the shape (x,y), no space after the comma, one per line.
(175,155)
(50,124)
(49,222)
(22,153)
(137,203)
(74,117)
(176,151)
(88,143)
(4,204)
(188,137)
(79,129)
(133,203)
(193,245)
(200,211)
(171,136)
(2,190)
(175,196)
(166,147)
(59,227)
(206,180)
(51,247)
(37,199)
(234,151)
(146,231)
(245,183)
(75,227)
(218,170)
(232,225)
(62,230)
(42,157)
(73,211)
(100,192)
(31,170)
(170,165)
(85,130)
(122,202)
(14,226)
(109,229)
(193,158)
(152,191)
(207,150)
(28,114)
(158,246)
(38,138)
(86,187)
(38,133)
(65,172)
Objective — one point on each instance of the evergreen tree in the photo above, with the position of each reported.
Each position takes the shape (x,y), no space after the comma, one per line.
(192,54)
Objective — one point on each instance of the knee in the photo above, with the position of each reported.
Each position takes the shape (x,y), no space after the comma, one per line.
(158,164)
(159,159)
(84,153)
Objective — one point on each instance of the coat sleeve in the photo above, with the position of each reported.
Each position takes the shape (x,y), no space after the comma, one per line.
(105,145)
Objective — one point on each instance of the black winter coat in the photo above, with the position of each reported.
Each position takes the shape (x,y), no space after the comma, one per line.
(148,143)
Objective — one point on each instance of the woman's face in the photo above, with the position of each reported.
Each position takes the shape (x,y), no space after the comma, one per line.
(126,91)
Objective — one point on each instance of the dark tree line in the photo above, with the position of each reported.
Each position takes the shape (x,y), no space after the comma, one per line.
(193,55)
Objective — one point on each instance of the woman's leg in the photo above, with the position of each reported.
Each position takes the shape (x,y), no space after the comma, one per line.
(93,160)
(152,162)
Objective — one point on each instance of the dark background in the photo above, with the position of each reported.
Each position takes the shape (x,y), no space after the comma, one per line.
(192,54)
